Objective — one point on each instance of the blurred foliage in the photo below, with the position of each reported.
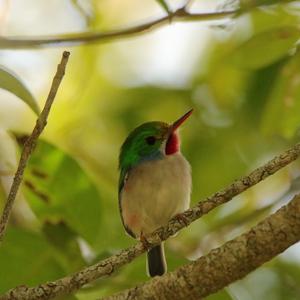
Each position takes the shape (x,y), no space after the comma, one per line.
(164,5)
(26,257)
(58,190)
(245,89)
(13,84)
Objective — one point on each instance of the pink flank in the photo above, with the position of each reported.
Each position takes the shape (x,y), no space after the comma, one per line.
(173,144)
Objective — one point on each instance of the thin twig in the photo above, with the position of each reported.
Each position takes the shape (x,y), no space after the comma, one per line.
(31,142)
(107,266)
(77,38)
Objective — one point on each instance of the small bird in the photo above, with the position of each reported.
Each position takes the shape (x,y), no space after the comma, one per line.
(155,183)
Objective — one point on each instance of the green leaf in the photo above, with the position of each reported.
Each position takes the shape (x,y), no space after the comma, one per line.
(26,258)
(65,245)
(278,16)
(59,190)
(288,268)
(248,4)
(164,5)
(12,83)
(266,48)
(281,113)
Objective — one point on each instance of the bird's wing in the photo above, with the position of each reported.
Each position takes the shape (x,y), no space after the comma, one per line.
(124,175)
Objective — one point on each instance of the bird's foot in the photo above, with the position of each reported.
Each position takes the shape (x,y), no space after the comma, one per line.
(144,241)
(181,218)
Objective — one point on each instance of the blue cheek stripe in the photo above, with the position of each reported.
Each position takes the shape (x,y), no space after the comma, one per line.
(153,156)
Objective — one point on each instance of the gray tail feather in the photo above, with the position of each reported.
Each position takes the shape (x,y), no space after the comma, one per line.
(157,265)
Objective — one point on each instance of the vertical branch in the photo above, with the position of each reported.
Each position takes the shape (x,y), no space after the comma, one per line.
(31,142)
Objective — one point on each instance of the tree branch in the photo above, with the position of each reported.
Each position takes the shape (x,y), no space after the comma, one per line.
(226,264)
(31,142)
(108,266)
(77,38)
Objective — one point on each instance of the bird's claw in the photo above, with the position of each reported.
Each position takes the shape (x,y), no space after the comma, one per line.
(144,241)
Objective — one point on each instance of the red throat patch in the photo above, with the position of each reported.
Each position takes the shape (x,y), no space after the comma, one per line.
(173,144)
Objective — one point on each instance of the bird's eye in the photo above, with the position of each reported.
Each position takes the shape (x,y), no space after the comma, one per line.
(150,140)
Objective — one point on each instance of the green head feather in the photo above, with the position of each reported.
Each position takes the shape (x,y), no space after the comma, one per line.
(143,143)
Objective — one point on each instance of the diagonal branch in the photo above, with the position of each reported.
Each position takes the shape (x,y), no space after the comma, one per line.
(31,142)
(108,266)
(77,38)
(226,264)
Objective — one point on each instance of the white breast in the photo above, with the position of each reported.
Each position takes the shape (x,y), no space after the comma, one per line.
(154,192)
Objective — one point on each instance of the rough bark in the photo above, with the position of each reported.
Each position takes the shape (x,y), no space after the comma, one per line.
(226,264)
